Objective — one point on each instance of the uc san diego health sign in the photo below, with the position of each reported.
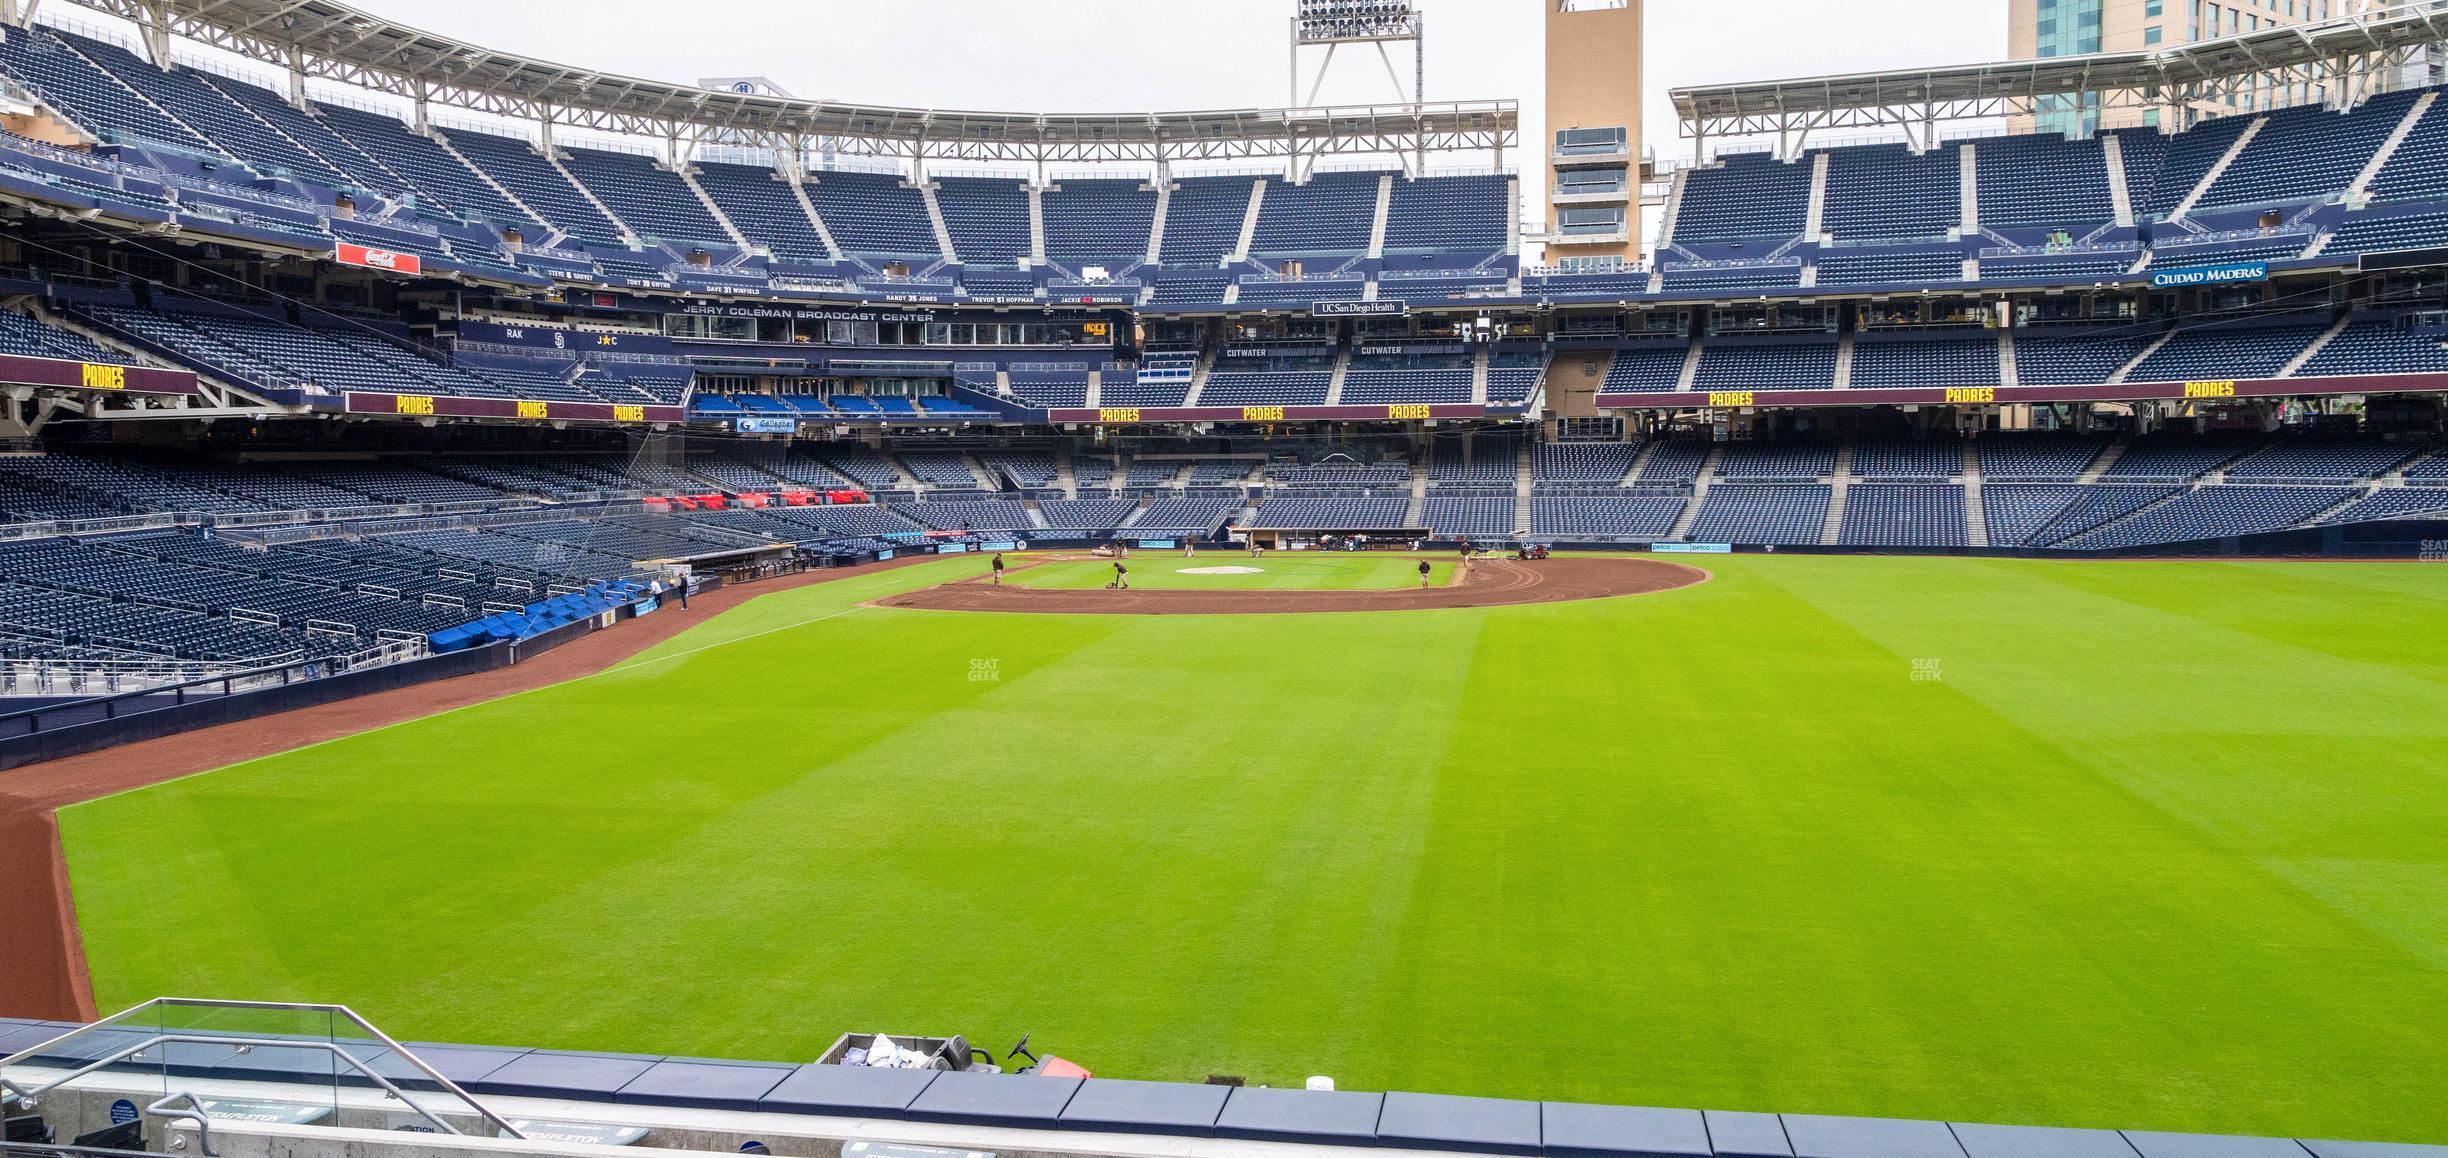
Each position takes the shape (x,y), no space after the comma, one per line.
(2240,271)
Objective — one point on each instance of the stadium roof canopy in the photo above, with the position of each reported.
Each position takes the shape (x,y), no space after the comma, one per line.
(2345,55)
(333,41)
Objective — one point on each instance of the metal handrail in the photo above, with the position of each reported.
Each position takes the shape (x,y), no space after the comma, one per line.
(29,1095)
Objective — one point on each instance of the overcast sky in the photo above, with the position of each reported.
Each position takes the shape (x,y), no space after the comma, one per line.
(1143,55)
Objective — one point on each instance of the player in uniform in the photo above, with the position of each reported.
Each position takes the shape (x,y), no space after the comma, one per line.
(998,569)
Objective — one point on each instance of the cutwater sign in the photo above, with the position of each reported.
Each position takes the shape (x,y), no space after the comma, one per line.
(2238,271)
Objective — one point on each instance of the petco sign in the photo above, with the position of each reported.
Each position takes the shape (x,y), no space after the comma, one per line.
(2211,274)
(371,258)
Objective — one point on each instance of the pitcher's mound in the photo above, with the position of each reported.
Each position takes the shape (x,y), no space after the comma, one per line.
(1483,583)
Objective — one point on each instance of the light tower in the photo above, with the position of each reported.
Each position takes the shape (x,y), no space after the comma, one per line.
(1331,24)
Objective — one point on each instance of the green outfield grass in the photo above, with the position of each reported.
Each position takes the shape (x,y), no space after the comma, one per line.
(2152,844)
(1277,570)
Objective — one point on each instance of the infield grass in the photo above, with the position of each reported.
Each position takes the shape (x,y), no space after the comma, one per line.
(2143,844)
(1275,571)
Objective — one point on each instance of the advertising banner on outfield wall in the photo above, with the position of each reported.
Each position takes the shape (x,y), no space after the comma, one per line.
(1691,548)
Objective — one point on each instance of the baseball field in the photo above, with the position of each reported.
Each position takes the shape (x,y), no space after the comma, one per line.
(2141,844)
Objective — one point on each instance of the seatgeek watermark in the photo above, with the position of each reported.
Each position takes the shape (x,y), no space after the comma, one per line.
(1926,671)
(985,671)
(2433,551)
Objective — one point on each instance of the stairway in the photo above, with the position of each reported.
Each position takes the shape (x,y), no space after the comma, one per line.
(1968,192)
(2128,368)
(1096,391)
(1674,206)
(1249,224)
(2099,466)
(1844,362)
(1414,515)
(688,177)
(2010,372)
(1976,511)
(2360,189)
(2304,356)
(807,205)
(1691,369)
(513,198)
(552,156)
(1334,388)
(1816,218)
(1700,490)
(1522,488)
(1037,240)
(1198,377)
(2219,169)
(1479,376)
(935,217)
(1377,224)
(1156,224)
(1840,487)
(2112,150)
(1064,476)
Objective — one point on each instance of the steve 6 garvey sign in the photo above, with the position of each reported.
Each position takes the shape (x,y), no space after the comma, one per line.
(353,254)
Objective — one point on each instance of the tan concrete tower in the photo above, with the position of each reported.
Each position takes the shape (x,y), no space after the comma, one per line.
(1594,130)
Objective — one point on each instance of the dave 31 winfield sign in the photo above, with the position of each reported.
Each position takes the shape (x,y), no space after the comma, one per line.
(371,258)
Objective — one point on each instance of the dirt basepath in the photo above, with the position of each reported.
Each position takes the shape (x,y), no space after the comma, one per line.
(1482,583)
(42,957)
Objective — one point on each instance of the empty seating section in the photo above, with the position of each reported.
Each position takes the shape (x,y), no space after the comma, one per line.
(1842,267)
(1903,516)
(2188,157)
(2214,512)
(183,93)
(2395,503)
(99,103)
(1925,459)
(1271,381)
(2363,233)
(1582,462)
(1092,473)
(1096,219)
(1649,368)
(1777,460)
(1340,514)
(2042,181)
(1023,469)
(969,515)
(2319,458)
(1744,197)
(1806,365)
(2071,266)
(1397,378)
(1332,214)
(941,468)
(2177,456)
(32,338)
(1161,380)
(2216,351)
(1674,461)
(1487,461)
(275,110)
(444,183)
(1475,516)
(1207,472)
(1885,191)
(988,218)
(2014,512)
(1050,384)
(1607,516)
(1925,362)
(1146,473)
(1087,514)
(873,215)
(2306,152)
(2036,456)
(761,203)
(652,200)
(1512,377)
(1447,214)
(1760,515)
(518,167)
(1195,515)
(1203,221)
(1687,277)
(2379,348)
(2418,170)
(2078,358)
